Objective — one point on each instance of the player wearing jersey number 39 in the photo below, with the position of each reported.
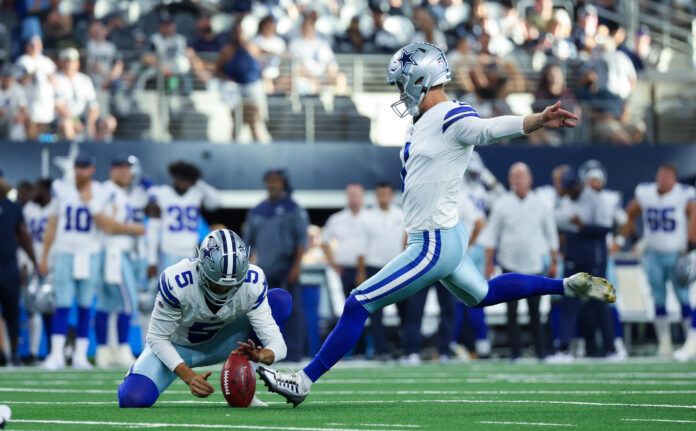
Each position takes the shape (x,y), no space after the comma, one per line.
(207,307)
(434,157)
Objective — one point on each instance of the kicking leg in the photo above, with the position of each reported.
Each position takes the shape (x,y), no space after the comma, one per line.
(421,264)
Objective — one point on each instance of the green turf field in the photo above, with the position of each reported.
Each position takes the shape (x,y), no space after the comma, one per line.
(638,395)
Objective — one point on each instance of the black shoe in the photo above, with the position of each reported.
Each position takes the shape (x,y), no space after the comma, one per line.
(3,359)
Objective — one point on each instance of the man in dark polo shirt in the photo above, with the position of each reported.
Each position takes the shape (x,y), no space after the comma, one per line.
(276,231)
(13,233)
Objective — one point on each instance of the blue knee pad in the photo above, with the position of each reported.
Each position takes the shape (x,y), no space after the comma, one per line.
(280,302)
(137,390)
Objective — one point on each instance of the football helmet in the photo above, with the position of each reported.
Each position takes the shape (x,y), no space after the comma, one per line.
(416,68)
(222,265)
(685,269)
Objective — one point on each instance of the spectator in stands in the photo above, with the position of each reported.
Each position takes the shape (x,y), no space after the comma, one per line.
(121,34)
(512,25)
(271,48)
(13,107)
(244,87)
(427,30)
(585,30)
(276,231)
(552,87)
(557,41)
(384,227)
(29,14)
(76,102)
(344,238)
(354,41)
(168,56)
(104,62)
(38,78)
(385,41)
(643,55)
(58,29)
(520,233)
(317,63)
(205,40)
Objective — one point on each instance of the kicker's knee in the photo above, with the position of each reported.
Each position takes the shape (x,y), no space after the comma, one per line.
(137,390)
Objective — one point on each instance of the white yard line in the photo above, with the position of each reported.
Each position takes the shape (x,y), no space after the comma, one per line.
(419,401)
(375,425)
(180,425)
(538,424)
(669,421)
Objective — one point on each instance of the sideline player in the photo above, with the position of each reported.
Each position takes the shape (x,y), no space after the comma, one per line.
(175,214)
(436,153)
(206,307)
(669,222)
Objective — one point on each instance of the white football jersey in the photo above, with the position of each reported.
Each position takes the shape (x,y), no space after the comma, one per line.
(36,217)
(435,156)
(138,199)
(665,224)
(180,217)
(117,206)
(76,230)
(182,314)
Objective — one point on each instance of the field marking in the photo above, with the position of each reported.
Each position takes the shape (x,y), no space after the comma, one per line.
(374,425)
(420,401)
(180,425)
(540,424)
(383,392)
(671,421)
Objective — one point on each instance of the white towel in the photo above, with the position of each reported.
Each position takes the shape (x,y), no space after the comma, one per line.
(81,266)
(112,266)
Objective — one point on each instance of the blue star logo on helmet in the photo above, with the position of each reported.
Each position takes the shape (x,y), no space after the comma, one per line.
(406,58)
(208,251)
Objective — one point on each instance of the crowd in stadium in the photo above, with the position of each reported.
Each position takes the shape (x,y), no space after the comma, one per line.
(575,224)
(92,66)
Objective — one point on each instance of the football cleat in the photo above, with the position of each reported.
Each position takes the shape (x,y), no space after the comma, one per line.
(289,385)
(256,402)
(81,363)
(103,357)
(53,362)
(688,350)
(124,356)
(583,285)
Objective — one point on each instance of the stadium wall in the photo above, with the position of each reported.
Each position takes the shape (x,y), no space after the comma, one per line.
(329,166)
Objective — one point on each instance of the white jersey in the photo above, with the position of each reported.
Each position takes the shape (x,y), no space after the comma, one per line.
(137,199)
(435,157)
(182,316)
(385,235)
(548,196)
(36,217)
(469,213)
(76,230)
(118,208)
(665,225)
(171,52)
(77,93)
(181,216)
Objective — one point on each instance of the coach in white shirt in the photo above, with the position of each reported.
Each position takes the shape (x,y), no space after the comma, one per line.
(386,236)
(344,238)
(522,231)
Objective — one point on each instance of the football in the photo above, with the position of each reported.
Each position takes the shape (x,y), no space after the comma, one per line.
(237,381)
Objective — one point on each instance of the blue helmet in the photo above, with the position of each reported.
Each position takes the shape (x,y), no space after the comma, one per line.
(223,262)
(416,68)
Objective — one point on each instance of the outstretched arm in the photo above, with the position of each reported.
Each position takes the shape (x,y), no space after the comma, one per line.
(552,117)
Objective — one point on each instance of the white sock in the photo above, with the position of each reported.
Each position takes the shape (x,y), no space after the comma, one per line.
(81,345)
(57,345)
(306,378)
(662,330)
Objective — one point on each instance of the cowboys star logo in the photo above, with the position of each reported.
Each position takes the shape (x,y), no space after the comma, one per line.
(406,58)
(208,251)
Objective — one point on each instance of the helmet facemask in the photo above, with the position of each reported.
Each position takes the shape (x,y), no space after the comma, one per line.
(407,103)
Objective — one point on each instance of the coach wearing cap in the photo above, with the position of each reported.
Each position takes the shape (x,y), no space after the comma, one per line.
(13,233)
(276,231)
(584,220)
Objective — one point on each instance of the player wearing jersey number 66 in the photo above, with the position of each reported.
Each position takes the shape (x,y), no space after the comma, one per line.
(435,155)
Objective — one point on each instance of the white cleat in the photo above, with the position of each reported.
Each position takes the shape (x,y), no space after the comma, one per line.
(53,363)
(687,352)
(124,356)
(256,402)
(664,348)
(411,360)
(583,285)
(289,385)
(81,363)
(560,358)
(103,357)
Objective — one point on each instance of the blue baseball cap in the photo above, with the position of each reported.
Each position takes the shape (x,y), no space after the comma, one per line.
(571,178)
(120,161)
(84,161)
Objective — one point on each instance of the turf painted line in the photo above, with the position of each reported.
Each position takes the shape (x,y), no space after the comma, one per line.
(375,425)
(179,425)
(535,424)
(669,421)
